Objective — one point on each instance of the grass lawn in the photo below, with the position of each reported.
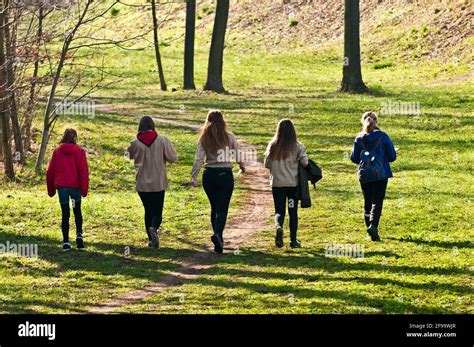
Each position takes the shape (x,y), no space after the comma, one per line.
(423,265)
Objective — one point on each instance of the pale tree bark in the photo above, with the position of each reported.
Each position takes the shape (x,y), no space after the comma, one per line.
(351,73)
(189,45)
(216,55)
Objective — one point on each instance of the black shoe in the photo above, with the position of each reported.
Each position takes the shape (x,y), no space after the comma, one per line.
(218,245)
(66,247)
(373,233)
(295,244)
(155,239)
(80,242)
(279,237)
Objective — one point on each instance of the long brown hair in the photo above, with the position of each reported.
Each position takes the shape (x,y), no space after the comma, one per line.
(146,124)
(285,141)
(214,134)
(369,122)
(69,136)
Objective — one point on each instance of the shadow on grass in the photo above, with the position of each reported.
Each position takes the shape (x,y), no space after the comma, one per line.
(98,259)
(350,272)
(435,243)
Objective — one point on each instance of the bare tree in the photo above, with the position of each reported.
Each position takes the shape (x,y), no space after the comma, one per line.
(28,120)
(78,38)
(12,103)
(8,159)
(216,55)
(49,119)
(156,44)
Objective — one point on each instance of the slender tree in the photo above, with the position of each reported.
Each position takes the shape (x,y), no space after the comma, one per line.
(50,107)
(26,128)
(189,45)
(157,46)
(216,55)
(12,103)
(7,154)
(351,72)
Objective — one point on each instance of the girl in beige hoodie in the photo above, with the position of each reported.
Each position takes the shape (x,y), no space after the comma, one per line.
(150,153)
(283,156)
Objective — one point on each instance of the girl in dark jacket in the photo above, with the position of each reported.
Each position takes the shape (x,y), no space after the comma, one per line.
(373,139)
(68,173)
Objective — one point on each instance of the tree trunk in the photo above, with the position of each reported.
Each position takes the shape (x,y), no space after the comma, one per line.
(157,46)
(189,45)
(26,129)
(216,55)
(19,153)
(7,154)
(48,112)
(351,72)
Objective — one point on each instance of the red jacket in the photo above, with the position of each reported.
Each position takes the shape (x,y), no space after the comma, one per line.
(68,169)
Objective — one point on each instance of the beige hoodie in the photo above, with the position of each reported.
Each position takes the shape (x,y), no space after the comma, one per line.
(217,160)
(150,163)
(284,173)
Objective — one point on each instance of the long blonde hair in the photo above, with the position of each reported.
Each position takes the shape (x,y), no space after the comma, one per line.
(369,122)
(285,141)
(214,134)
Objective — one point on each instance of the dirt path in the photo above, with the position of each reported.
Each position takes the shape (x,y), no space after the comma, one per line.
(253,217)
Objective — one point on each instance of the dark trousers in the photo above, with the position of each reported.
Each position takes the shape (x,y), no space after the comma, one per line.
(280,197)
(153,203)
(374,194)
(66,194)
(218,184)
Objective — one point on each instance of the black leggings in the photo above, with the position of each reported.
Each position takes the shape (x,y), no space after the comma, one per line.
(374,194)
(76,208)
(218,184)
(280,196)
(153,203)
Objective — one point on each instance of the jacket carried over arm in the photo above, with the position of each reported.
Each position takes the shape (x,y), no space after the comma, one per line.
(68,168)
(150,152)
(385,150)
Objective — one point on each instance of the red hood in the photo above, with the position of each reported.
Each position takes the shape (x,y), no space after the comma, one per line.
(147,137)
(69,148)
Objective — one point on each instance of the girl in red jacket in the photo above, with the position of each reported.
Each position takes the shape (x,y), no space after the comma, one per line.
(68,173)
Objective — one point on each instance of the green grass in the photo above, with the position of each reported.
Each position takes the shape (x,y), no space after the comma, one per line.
(113,223)
(423,265)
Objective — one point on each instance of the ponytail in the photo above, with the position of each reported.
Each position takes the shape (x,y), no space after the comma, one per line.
(369,122)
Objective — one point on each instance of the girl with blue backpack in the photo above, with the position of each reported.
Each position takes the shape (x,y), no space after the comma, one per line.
(373,151)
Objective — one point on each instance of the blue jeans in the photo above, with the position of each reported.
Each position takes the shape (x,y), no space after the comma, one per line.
(64,195)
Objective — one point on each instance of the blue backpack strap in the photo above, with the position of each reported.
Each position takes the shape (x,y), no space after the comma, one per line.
(378,142)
